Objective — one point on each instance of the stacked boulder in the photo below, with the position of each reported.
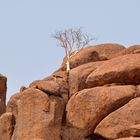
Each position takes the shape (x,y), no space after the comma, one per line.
(3,88)
(98,100)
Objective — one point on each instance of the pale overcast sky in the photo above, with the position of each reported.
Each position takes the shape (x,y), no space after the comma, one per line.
(27,52)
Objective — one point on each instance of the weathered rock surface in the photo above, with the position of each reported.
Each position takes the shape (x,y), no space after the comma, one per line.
(73,133)
(99,99)
(39,116)
(115,123)
(6,126)
(129,138)
(50,87)
(3,89)
(123,70)
(53,85)
(12,105)
(133,130)
(79,75)
(94,53)
(89,106)
(131,50)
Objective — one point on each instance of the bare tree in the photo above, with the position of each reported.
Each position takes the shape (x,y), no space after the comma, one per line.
(71,40)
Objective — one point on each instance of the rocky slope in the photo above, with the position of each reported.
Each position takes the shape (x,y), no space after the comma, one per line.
(98,100)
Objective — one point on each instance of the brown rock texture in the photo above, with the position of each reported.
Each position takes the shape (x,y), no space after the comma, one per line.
(79,75)
(53,85)
(131,50)
(133,130)
(123,70)
(89,106)
(6,126)
(114,124)
(50,87)
(3,89)
(12,105)
(129,138)
(39,116)
(99,99)
(95,53)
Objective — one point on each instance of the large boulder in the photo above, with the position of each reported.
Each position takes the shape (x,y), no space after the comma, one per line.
(39,116)
(131,50)
(78,76)
(115,123)
(98,99)
(7,123)
(94,53)
(2,107)
(129,138)
(133,130)
(138,89)
(56,84)
(88,107)
(3,88)
(123,70)
(12,105)
(73,133)
(50,87)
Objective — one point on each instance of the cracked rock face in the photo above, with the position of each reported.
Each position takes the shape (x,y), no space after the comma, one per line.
(114,124)
(123,70)
(98,100)
(88,107)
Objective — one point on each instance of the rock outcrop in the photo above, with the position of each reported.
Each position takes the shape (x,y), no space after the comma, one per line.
(116,123)
(98,100)
(117,71)
(88,107)
(3,89)
(94,53)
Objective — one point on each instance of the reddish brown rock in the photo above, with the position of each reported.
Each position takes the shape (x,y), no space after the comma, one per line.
(6,126)
(88,107)
(39,116)
(124,70)
(12,105)
(50,87)
(78,75)
(131,50)
(129,138)
(61,77)
(138,89)
(71,133)
(22,88)
(115,123)
(3,88)
(55,84)
(94,53)
(2,107)
(60,74)
(137,51)
(44,111)
(133,130)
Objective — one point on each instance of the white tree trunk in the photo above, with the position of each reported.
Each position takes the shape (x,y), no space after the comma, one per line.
(68,65)
(68,61)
